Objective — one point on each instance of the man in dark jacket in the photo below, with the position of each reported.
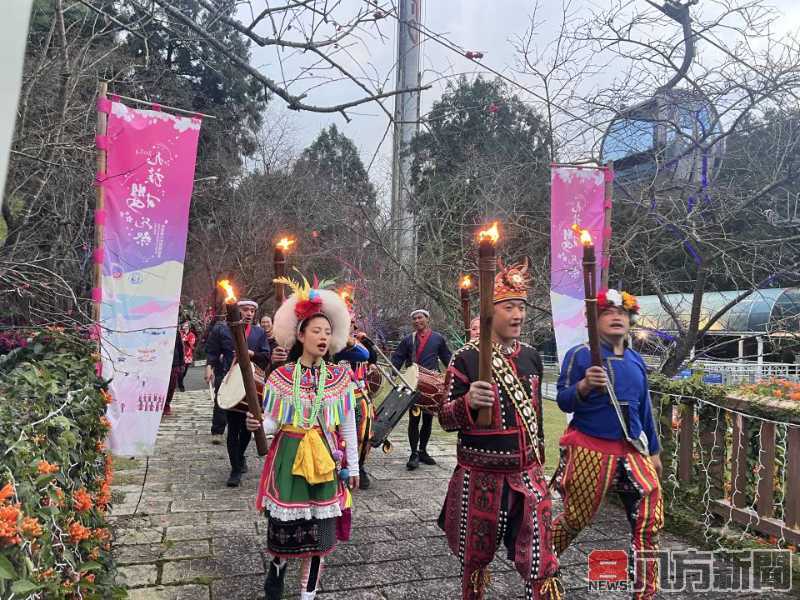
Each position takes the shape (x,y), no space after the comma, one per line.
(426,348)
(220,350)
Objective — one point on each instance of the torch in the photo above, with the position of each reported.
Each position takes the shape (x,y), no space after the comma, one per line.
(279,260)
(487,262)
(590,292)
(234,319)
(464,287)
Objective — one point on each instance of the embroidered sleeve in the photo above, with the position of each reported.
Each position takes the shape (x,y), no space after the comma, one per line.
(455,413)
(348,431)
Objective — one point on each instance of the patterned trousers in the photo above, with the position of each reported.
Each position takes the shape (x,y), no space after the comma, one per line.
(585,477)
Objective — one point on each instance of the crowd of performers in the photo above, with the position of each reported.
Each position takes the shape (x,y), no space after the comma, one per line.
(317,415)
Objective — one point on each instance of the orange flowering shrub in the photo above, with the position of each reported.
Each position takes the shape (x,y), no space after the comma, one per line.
(78,533)
(31,527)
(9,524)
(782,389)
(44,467)
(55,541)
(82,501)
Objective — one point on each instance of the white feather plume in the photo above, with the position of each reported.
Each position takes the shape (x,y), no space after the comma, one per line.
(285,323)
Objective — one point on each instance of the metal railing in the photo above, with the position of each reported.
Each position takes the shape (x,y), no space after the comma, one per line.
(734,373)
(743,456)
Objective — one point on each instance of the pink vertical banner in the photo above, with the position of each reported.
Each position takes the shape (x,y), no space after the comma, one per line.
(148,188)
(577,196)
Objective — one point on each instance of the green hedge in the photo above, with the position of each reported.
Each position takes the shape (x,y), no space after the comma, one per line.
(55,474)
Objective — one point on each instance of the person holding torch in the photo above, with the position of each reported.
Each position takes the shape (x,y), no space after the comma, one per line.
(611,443)
(498,493)
(220,352)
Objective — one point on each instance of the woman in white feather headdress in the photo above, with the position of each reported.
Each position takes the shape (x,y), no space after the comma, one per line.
(306,482)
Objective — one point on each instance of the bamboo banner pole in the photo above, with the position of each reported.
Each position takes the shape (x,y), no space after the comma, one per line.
(605,266)
(160,106)
(100,203)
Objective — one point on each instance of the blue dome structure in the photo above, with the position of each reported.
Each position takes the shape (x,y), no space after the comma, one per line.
(675,136)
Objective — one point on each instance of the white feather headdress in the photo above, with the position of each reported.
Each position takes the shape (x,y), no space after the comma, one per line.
(305,302)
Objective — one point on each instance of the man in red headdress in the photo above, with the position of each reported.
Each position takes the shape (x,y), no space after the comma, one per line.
(498,493)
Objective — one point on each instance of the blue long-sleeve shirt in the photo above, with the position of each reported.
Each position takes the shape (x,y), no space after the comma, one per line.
(434,351)
(595,415)
(354,354)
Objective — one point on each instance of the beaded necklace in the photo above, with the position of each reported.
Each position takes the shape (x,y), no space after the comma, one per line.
(300,419)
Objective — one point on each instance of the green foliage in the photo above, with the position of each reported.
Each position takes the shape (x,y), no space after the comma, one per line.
(332,160)
(55,474)
(48,229)
(185,71)
(691,386)
(481,135)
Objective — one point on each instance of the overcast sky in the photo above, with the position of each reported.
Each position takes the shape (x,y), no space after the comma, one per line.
(488,26)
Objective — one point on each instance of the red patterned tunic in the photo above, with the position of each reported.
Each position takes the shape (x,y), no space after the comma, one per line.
(498,492)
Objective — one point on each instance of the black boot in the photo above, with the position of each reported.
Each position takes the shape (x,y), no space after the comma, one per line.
(273,586)
(235,480)
(425,458)
(413,462)
(363,480)
(244,465)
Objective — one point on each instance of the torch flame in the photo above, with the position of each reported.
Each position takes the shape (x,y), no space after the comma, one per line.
(586,237)
(231,294)
(346,293)
(284,244)
(491,234)
(466,282)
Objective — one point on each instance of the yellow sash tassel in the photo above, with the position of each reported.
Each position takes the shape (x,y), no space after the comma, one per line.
(552,588)
(313,461)
(480,580)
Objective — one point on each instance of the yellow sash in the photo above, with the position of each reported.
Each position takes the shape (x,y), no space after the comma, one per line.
(313,461)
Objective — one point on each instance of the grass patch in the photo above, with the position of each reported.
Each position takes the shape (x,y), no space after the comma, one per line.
(125,464)
(555,422)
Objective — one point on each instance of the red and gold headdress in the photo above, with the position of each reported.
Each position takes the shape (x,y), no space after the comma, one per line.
(512,282)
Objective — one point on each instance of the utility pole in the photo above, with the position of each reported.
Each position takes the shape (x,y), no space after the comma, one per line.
(406,126)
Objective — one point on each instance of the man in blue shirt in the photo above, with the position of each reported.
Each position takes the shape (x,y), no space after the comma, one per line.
(426,348)
(611,443)
(220,350)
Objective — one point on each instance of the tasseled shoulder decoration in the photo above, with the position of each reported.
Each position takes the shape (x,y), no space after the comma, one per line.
(338,396)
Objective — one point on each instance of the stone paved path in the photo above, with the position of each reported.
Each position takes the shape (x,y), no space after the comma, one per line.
(182,535)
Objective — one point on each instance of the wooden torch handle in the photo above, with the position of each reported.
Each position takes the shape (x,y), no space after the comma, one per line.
(486,267)
(243,358)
